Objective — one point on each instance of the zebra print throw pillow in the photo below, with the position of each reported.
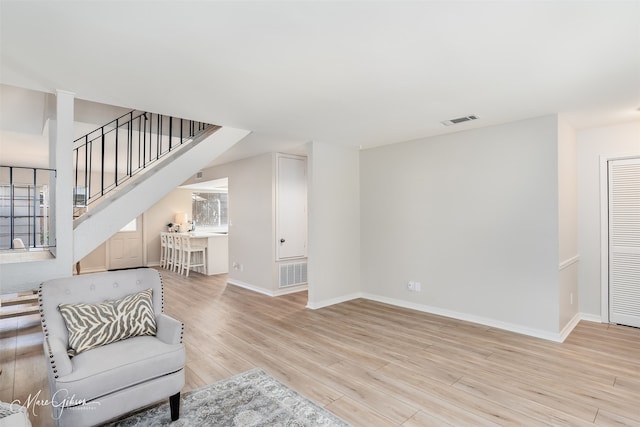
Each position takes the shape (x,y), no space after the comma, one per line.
(93,325)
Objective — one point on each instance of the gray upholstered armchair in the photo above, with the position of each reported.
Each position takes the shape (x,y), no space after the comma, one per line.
(109,376)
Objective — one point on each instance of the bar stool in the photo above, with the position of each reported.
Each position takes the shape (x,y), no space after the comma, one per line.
(163,249)
(189,248)
(170,256)
(178,241)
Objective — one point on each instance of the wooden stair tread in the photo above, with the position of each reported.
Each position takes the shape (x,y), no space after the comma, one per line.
(21,311)
(15,299)
(19,304)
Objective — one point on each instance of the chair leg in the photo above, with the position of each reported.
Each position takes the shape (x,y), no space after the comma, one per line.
(204,261)
(174,404)
(177,260)
(168,263)
(187,265)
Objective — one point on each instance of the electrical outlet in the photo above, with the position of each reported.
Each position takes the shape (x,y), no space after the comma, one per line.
(414,286)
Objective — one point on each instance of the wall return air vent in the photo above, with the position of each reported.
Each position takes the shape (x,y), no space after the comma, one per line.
(293,274)
(459,120)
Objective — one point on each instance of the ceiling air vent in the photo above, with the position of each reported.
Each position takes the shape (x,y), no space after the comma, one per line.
(459,120)
(199,175)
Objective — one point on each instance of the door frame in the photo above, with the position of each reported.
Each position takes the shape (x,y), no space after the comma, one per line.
(604,232)
(277,231)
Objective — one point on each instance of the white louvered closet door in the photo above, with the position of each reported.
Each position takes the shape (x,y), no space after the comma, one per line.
(624,242)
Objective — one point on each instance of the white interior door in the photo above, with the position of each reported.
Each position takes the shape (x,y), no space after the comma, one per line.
(125,247)
(624,241)
(291,207)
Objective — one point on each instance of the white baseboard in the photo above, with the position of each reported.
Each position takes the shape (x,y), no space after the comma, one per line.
(564,333)
(264,291)
(591,317)
(249,286)
(537,333)
(290,290)
(320,304)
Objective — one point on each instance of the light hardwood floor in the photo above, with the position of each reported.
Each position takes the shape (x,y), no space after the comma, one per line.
(377,365)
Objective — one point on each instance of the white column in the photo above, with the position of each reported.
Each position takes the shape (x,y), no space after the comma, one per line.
(61,159)
(334,224)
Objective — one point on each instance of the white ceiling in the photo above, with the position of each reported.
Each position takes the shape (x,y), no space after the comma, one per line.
(357,73)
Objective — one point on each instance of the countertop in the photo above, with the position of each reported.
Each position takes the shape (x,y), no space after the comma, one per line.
(204,234)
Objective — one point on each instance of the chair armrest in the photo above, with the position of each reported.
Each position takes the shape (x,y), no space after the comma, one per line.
(55,351)
(168,329)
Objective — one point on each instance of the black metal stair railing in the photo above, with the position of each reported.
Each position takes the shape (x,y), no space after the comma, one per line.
(110,155)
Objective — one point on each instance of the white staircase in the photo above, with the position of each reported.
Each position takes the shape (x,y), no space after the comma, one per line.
(97,225)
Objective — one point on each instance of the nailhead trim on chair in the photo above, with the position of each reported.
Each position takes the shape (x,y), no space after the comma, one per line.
(52,360)
(161,293)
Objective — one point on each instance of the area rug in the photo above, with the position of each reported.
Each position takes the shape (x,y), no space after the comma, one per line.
(252,398)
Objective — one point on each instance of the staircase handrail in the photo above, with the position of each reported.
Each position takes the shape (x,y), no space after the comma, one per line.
(113,153)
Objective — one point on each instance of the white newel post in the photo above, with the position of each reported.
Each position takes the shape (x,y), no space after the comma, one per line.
(61,159)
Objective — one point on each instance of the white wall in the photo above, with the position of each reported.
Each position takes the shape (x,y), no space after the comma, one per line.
(473,217)
(24,140)
(334,224)
(95,261)
(567,224)
(609,142)
(22,111)
(251,219)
